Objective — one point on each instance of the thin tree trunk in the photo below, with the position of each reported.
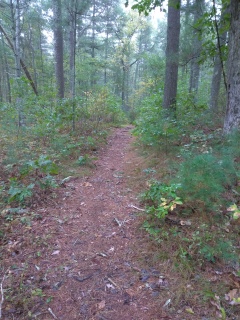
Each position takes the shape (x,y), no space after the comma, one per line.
(216,79)
(218,64)
(197,47)
(72,38)
(8,94)
(24,67)
(19,102)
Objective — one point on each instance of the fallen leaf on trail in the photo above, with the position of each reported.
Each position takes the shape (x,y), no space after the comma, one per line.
(233,297)
(167,303)
(162,282)
(87,184)
(185,223)
(130,292)
(101,305)
(55,252)
(189,310)
(109,286)
(216,302)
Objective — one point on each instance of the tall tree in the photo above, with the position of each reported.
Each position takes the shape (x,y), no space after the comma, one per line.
(58,47)
(232,118)
(197,46)
(172,54)
(218,68)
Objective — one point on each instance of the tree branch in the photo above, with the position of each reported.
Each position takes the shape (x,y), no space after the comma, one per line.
(24,67)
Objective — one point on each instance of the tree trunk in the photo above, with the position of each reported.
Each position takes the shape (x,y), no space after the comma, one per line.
(232,117)
(216,78)
(218,63)
(58,47)
(8,94)
(72,58)
(197,47)
(172,55)
(24,67)
(16,21)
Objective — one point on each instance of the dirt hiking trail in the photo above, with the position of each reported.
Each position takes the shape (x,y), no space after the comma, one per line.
(89,258)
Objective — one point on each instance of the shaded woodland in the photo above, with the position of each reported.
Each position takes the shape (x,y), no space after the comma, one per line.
(72,71)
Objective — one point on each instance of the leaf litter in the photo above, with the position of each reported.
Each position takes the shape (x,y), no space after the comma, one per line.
(88,258)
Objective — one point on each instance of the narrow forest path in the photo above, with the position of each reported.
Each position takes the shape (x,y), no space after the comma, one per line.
(85,258)
(96,275)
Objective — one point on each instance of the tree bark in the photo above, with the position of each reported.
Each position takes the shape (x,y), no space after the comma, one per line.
(58,47)
(232,117)
(216,78)
(197,47)
(172,55)
(218,63)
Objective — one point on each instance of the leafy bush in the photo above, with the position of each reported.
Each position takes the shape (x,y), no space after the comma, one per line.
(152,125)
(105,107)
(161,199)
(19,192)
(28,179)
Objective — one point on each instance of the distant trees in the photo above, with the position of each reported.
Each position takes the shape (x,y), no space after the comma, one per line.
(232,118)
(97,44)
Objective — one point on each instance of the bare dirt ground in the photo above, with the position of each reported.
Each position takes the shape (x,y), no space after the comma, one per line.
(81,257)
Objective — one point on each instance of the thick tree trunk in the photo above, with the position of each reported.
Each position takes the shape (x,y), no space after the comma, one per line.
(58,47)
(232,118)
(172,55)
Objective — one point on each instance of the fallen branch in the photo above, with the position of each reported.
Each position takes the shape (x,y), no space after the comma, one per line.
(50,311)
(2,293)
(112,282)
(134,207)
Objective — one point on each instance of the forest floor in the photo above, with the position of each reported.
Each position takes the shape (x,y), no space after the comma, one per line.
(85,256)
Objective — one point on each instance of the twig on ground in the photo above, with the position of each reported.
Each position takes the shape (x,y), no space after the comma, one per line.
(112,282)
(2,293)
(51,312)
(134,207)
(119,223)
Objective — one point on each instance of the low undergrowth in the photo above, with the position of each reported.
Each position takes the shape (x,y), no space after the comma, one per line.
(192,205)
(52,146)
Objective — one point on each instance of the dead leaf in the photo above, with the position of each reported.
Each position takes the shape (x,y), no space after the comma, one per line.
(162,282)
(167,303)
(185,223)
(87,184)
(189,310)
(101,305)
(233,297)
(55,252)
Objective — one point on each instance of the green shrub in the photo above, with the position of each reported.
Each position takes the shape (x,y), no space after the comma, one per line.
(161,199)
(29,178)
(204,178)
(154,128)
